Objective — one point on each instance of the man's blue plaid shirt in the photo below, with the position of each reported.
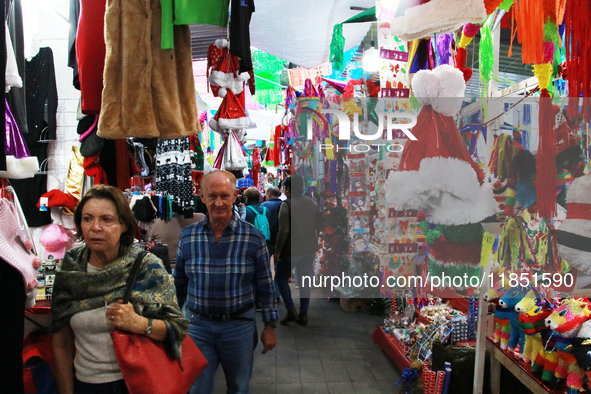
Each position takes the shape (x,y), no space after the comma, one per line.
(221,279)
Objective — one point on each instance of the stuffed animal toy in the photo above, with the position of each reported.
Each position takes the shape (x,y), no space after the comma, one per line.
(493,295)
(528,302)
(567,321)
(582,350)
(511,334)
(532,322)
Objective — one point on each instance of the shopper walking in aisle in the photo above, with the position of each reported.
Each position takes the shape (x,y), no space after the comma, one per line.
(222,264)
(94,276)
(273,204)
(296,247)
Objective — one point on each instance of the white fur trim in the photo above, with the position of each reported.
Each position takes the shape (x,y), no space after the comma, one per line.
(578,191)
(443,88)
(244,77)
(585,331)
(23,168)
(220,78)
(236,123)
(575,257)
(221,43)
(437,16)
(447,189)
(222,92)
(213,124)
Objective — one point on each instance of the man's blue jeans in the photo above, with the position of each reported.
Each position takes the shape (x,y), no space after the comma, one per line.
(304,266)
(230,343)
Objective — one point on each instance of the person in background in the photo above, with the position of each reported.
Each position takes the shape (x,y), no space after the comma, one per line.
(168,232)
(93,276)
(222,264)
(253,196)
(273,204)
(239,207)
(296,247)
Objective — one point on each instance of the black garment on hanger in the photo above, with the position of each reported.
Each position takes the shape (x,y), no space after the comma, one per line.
(72,61)
(12,316)
(42,101)
(241,11)
(16,97)
(3,68)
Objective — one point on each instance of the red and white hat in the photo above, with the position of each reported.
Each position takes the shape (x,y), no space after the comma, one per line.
(421,18)
(226,73)
(574,234)
(436,174)
(230,114)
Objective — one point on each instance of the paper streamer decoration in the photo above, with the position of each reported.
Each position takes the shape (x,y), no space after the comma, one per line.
(488,241)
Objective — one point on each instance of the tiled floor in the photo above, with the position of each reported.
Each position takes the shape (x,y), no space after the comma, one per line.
(333,354)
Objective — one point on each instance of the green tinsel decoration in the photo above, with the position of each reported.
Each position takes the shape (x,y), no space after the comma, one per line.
(452,271)
(268,71)
(337,47)
(463,234)
(432,236)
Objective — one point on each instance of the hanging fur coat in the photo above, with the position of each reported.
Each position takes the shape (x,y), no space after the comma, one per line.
(148,92)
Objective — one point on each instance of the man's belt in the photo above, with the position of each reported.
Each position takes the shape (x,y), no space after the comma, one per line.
(231,316)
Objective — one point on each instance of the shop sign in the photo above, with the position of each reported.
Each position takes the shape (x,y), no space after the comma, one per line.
(396,56)
(345,125)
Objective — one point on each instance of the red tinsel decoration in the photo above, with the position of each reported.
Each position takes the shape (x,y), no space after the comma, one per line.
(461,64)
(546,159)
(447,252)
(577,35)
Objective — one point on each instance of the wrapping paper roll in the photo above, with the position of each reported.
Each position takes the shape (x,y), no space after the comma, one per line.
(440,382)
(447,378)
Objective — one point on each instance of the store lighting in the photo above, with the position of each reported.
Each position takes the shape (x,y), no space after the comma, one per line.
(371,59)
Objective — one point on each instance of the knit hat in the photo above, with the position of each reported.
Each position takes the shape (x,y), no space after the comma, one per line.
(418,19)
(57,198)
(574,234)
(14,249)
(230,114)
(55,241)
(436,174)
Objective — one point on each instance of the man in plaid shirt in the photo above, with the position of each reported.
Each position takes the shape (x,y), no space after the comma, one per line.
(222,263)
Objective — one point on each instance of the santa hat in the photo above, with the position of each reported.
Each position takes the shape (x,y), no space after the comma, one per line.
(574,234)
(57,198)
(230,114)
(226,73)
(418,19)
(436,174)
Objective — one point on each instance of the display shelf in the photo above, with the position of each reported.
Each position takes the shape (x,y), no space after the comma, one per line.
(392,347)
(517,367)
(42,307)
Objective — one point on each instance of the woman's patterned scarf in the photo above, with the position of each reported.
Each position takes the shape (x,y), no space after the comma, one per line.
(153,294)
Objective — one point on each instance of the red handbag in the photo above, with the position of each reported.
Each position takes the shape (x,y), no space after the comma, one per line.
(148,366)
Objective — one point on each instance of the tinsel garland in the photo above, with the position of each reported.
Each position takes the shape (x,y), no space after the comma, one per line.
(447,252)
(437,269)
(577,35)
(464,234)
(514,245)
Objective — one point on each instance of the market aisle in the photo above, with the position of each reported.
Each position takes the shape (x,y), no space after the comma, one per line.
(333,354)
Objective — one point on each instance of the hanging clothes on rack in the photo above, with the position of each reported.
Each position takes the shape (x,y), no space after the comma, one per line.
(173,169)
(42,102)
(16,97)
(148,92)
